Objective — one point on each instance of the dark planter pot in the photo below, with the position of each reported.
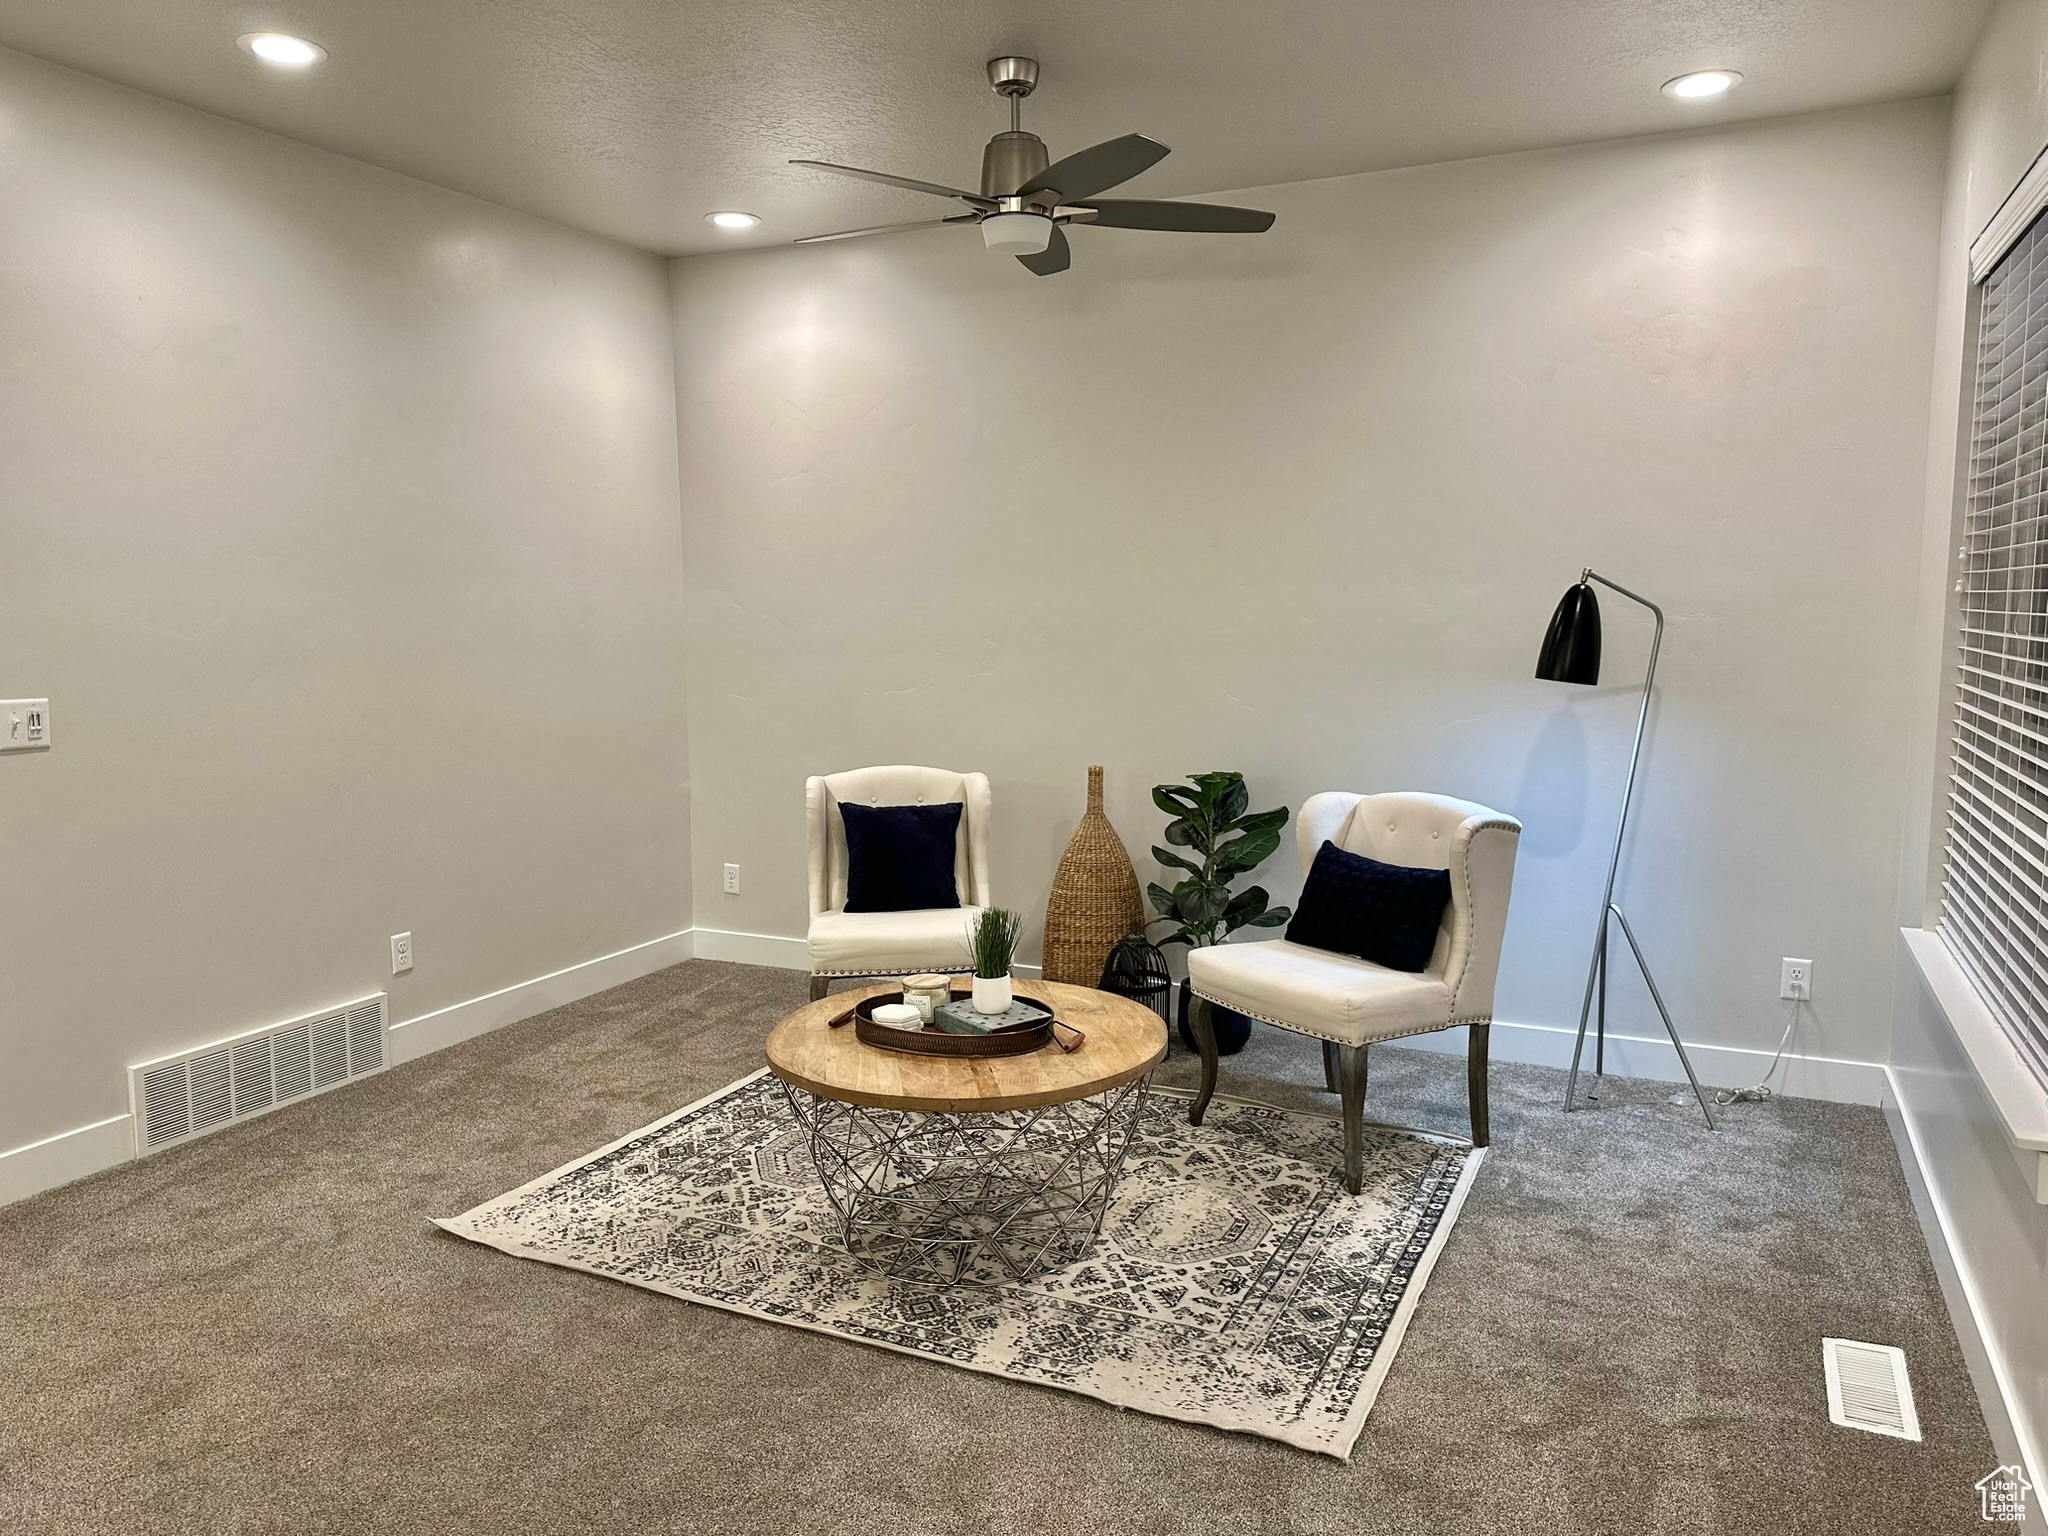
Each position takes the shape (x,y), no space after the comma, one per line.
(1232,1028)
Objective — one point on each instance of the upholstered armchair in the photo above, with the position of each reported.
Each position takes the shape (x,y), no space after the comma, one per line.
(861,944)
(1348,1003)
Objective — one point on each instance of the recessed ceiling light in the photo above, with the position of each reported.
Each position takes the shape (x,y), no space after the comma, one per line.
(281,48)
(731,220)
(1702,82)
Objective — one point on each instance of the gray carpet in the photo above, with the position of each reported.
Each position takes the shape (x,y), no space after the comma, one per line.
(261,1332)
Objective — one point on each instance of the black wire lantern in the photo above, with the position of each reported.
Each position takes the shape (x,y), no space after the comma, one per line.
(1137,969)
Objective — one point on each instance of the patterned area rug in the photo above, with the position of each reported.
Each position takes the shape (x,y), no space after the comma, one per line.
(1234,1283)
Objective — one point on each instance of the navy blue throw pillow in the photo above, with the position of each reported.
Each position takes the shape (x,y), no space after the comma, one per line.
(899,858)
(1386,913)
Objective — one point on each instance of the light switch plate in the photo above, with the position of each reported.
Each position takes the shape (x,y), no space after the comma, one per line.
(24,724)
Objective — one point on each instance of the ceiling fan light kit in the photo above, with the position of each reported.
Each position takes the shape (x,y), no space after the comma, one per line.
(1027,198)
(1016,234)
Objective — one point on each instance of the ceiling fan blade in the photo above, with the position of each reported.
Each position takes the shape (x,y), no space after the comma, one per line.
(898,181)
(1056,257)
(888,229)
(1195,218)
(1097,168)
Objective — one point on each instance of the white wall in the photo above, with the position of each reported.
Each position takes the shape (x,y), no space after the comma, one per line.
(1997,1233)
(338,519)
(1300,505)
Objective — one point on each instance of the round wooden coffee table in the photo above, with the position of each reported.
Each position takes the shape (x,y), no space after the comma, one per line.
(982,1170)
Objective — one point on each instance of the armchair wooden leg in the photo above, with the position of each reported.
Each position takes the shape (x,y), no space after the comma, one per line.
(1330,1066)
(818,986)
(1475,1080)
(1352,1072)
(1204,1029)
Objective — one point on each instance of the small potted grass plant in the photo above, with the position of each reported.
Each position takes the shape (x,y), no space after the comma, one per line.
(993,938)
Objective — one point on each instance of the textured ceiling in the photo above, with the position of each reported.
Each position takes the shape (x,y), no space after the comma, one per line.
(634,118)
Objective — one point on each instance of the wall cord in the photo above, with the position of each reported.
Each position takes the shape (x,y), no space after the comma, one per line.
(1760,1090)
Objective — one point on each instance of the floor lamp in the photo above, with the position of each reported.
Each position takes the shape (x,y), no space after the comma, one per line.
(1571,654)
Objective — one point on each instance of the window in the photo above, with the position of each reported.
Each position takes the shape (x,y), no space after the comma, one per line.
(1994,915)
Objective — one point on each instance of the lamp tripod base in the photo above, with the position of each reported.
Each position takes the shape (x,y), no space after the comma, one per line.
(1596,987)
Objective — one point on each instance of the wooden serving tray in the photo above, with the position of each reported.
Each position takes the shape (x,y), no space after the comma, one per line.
(1011,1040)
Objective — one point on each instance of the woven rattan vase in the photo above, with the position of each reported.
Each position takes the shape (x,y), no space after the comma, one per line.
(1094,899)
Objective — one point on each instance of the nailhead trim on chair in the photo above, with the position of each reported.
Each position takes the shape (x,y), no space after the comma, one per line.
(908,970)
(1317,1035)
(1466,872)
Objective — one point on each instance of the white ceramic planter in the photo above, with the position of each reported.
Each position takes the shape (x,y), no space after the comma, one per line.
(991,994)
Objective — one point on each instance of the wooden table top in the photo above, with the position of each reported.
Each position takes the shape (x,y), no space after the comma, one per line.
(1125,1041)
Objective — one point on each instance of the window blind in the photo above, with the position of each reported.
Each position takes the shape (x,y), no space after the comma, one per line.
(1994,915)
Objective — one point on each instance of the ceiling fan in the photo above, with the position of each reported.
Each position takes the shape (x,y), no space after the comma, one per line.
(1025,202)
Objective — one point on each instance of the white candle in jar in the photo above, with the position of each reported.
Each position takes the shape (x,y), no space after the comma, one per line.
(927,993)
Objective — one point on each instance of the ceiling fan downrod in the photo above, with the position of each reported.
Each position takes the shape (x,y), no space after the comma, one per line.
(1013,158)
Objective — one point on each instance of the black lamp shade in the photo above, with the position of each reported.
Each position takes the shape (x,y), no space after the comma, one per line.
(1571,646)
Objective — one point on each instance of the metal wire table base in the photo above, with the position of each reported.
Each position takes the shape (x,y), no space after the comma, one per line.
(984,1198)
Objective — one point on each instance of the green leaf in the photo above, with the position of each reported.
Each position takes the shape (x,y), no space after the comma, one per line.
(1174,799)
(1271,919)
(1210,788)
(1188,899)
(1162,902)
(1181,832)
(1245,906)
(1224,855)
(1175,861)
(1246,852)
(1231,802)
(1262,821)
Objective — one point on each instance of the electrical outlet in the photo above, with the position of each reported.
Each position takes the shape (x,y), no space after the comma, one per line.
(24,724)
(401,953)
(1796,979)
(732,879)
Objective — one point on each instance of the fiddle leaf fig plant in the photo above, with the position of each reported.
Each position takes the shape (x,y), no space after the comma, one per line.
(1220,842)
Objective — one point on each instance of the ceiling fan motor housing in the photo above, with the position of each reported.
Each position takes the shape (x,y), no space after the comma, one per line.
(1010,160)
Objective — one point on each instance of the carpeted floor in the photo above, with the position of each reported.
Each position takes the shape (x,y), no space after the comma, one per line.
(261,1332)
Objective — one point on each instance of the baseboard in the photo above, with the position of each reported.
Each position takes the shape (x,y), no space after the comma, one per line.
(1542,1045)
(773,949)
(104,1144)
(410,1039)
(1718,1066)
(66,1156)
(89,1149)
(1965,1316)
(770,949)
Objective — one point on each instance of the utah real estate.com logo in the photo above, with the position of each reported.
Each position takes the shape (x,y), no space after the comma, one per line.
(2004,1491)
